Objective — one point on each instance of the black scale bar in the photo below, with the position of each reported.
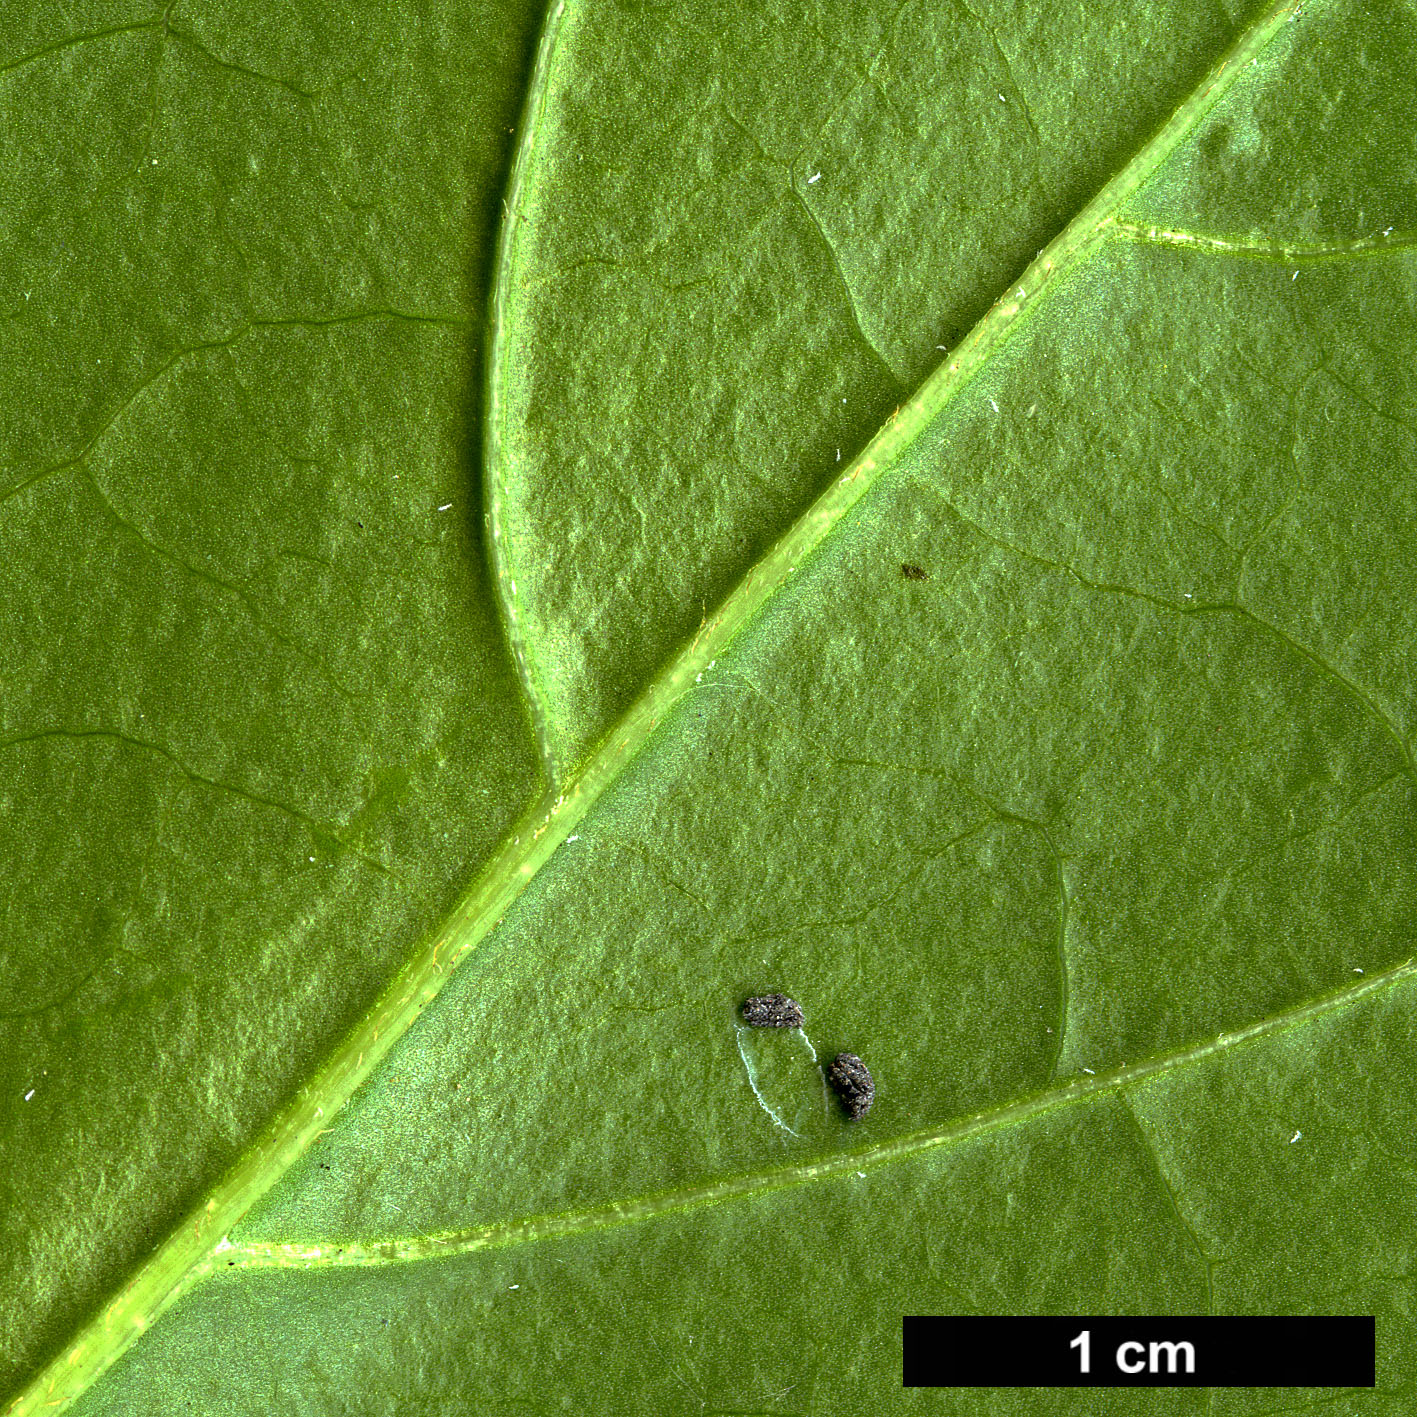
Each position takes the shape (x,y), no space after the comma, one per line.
(1200,1351)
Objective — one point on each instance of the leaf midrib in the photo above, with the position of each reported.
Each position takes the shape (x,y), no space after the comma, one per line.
(189,1252)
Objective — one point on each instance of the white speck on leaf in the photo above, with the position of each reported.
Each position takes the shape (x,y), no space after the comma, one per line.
(1295,276)
(993,405)
(1295,1137)
(445,506)
(1089,1072)
(1356,970)
(815,177)
(577,837)
(514,1286)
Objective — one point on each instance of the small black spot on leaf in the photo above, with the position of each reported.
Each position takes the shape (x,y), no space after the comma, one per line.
(853,1083)
(912,572)
(773,1011)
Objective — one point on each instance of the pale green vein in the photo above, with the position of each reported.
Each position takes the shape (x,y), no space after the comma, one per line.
(247,602)
(848,298)
(499,547)
(190,1252)
(326,838)
(1342,681)
(1060,946)
(525,1229)
(992,35)
(1183,1221)
(74,41)
(661,869)
(232,67)
(1265,249)
(179,357)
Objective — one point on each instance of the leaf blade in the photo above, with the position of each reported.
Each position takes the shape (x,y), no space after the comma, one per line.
(1316,661)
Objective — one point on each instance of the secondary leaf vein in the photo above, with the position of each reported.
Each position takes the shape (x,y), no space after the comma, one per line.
(257,1254)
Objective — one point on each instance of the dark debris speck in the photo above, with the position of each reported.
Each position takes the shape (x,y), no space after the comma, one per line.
(773,1011)
(853,1083)
(912,572)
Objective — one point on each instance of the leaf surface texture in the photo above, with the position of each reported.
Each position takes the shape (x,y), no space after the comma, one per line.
(457,646)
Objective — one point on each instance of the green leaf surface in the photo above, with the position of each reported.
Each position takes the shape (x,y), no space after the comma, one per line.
(404,787)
